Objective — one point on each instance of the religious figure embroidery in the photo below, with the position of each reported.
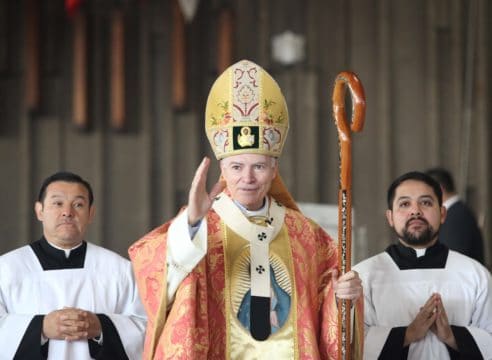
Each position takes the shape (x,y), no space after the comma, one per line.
(245,138)
(279,306)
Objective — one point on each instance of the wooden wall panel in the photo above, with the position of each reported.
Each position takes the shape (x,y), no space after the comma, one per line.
(124,193)
(45,158)
(480,170)
(305,120)
(161,127)
(449,72)
(32,42)
(3,37)
(410,56)
(190,128)
(83,155)
(97,119)
(247,38)
(369,150)
(16,217)
(381,103)
(287,161)
(140,114)
(326,46)
(408,62)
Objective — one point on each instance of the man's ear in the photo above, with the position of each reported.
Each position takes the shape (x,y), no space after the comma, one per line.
(38,209)
(389,217)
(444,213)
(92,213)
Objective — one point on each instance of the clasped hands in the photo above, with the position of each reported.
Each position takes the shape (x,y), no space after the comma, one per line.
(432,316)
(71,324)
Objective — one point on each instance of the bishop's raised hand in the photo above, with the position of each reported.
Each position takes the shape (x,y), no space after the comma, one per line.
(199,200)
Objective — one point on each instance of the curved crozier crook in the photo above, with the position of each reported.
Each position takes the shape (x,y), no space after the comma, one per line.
(343,80)
(358,102)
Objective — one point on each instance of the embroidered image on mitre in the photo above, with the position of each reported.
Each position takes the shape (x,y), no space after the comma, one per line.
(246,113)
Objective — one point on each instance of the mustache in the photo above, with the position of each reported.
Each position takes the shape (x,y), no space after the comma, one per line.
(407,224)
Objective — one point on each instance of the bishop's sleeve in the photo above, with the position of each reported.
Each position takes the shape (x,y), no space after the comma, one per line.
(184,251)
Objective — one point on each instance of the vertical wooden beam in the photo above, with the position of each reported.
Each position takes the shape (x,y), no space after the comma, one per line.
(178,58)
(481,147)
(225,35)
(80,118)
(264,33)
(306,87)
(468,94)
(32,54)
(117,70)
(433,23)
(4,39)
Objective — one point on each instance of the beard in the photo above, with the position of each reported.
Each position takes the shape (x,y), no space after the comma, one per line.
(418,238)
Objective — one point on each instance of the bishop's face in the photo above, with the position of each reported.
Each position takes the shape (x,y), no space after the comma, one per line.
(249,177)
(65,213)
(416,215)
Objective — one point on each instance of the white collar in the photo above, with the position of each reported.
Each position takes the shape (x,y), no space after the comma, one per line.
(67,251)
(238,221)
(420,252)
(451,201)
(263,211)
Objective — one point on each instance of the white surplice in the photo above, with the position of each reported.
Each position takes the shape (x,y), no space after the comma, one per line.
(393,298)
(105,285)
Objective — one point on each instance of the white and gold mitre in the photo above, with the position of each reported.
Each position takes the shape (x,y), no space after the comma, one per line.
(246,113)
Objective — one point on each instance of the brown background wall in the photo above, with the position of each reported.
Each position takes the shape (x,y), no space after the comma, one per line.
(412,57)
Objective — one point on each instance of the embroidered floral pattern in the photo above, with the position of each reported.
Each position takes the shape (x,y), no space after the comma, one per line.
(195,327)
(246,95)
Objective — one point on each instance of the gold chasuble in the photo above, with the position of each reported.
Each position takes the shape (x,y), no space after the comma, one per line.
(205,320)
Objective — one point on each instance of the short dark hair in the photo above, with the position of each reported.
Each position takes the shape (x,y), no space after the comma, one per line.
(67,177)
(443,177)
(417,176)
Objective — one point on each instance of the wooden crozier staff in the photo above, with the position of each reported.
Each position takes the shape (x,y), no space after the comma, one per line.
(342,81)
